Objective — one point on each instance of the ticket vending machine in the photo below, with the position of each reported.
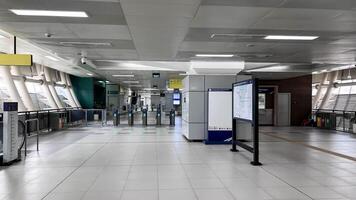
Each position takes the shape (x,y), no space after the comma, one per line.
(10,133)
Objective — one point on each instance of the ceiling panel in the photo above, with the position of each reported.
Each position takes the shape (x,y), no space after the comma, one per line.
(114,54)
(244,3)
(304,14)
(227,16)
(321,4)
(155,9)
(100,31)
(311,25)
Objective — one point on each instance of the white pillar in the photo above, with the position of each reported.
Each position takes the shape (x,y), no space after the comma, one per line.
(67,91)
(22,89)
(48,79)
(327,95)
(14,94)
(69,83)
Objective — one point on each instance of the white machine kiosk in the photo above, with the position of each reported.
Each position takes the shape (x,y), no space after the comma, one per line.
(10,133)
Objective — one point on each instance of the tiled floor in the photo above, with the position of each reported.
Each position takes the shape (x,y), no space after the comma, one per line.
(137,163)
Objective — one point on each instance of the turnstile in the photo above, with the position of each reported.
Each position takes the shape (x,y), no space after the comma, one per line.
(130,118)
(158,116)
(172,118)
(144,117)
(116,118)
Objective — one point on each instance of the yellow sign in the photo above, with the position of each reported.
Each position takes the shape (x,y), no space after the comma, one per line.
(175,84)
(16,59)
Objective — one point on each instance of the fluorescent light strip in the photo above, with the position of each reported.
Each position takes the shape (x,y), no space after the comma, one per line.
(52,58)
(290,37)
(1,36)
(89,74)
(215,55)
(49,13)
(124,75)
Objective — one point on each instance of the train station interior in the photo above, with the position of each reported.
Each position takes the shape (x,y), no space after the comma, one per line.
(178,100)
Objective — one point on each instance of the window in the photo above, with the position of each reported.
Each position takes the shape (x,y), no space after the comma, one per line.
(262,101)
(37,95)
(62,96)
(4,93)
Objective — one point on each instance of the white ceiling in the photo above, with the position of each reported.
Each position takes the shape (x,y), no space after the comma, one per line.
(173,31)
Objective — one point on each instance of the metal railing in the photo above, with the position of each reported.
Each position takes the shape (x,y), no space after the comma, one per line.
(37,135)
(340,120)
(103,115)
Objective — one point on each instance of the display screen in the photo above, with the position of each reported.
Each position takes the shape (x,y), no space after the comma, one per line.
(176,95)
(176,102)
(243,100)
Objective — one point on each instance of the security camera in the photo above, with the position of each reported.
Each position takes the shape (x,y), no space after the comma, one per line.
(48,35)
(83,60)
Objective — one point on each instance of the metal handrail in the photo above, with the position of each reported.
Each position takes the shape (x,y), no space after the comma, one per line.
(37,130)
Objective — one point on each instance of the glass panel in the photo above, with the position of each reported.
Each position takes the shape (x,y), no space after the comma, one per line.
(351,106)
(341,102)
(62,95)
(4,93)
(38,97)
(262,101)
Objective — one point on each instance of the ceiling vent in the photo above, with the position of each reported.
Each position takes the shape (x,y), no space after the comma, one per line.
(236,36)
(86,44)
(254,55)
(76,44)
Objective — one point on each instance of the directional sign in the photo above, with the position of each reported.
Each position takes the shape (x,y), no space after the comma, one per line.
(16,59)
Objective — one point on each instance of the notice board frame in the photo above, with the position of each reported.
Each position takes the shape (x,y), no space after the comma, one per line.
(254,149)
(215,133)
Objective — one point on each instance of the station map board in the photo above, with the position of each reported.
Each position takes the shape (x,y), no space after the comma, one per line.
(243,100)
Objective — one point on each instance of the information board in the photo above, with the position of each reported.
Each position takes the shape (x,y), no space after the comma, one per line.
(243,100)
(220,107)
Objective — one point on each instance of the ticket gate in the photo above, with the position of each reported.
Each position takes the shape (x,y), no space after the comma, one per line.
(158,117)
(172,118)
(116,118)
(144,117)
(130,115)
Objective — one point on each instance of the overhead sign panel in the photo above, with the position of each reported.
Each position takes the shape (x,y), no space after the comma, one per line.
(175,84)
(16,59)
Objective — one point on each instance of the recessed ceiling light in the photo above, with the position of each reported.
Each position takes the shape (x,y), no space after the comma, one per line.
(50,13)
(124,75)
(315,72)
(52,58)
(215,55)
(290,37)
(89,74)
